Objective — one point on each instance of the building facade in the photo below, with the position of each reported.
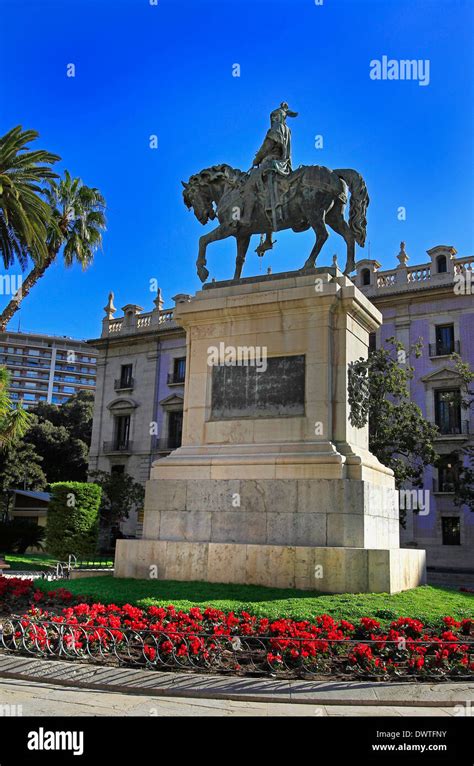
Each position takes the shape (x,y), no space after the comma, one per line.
(138,410)
(433,302)
(47,368)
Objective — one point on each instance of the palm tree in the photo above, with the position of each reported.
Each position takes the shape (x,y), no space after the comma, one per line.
(76,223)
(14,420)
(24,214)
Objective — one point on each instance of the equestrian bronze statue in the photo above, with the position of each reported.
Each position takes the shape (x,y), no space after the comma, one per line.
(271,196)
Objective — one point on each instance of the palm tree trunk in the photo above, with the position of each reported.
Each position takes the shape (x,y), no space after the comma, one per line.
(28,283)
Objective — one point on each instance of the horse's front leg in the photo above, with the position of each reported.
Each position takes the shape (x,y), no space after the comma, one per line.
(350,263)
(242,247)
(213,236)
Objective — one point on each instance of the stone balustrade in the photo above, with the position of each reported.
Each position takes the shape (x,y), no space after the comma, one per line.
(140,322)
(374,282)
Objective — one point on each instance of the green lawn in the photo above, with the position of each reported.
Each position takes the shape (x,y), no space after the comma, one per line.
(29,560)
(426,603)
(33,561)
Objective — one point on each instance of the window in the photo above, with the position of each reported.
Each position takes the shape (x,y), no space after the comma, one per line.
(179,370)
(448,473)
(448,411)
(117,469)
(122,432)
(365,276)
(441,264)
(126,375)
(33,352)
(175,429)
(68,390)
(30,384)
(444,339)
(451,530)
(372,341)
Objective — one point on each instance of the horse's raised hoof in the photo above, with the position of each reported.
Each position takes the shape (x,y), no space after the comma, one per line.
(202,273)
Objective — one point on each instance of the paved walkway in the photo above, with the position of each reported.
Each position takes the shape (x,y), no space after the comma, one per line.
(216,688)
(41,699)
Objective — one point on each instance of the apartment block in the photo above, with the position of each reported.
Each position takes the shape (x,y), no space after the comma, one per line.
(47,368)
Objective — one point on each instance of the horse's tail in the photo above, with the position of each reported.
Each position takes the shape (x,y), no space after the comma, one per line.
(358,204)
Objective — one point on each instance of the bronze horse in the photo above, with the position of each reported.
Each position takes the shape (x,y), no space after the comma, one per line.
(311,196)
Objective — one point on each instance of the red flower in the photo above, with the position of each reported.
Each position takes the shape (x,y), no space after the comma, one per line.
(369,624)
(150,652)
(361,654)
(450,622)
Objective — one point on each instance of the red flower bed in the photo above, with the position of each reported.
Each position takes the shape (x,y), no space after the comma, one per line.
(14,588)
(209,638)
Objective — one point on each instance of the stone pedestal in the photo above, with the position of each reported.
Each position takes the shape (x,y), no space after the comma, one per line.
(272,485)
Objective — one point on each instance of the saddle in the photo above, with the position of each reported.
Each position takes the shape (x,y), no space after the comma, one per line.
(278,190)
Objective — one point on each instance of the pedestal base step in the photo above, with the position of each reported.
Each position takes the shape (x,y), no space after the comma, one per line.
(323,569)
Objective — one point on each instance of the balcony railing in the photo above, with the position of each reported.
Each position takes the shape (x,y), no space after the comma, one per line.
(442,349)
(454,429)
(175,377)
(124,384)
(117,446)
(166,445)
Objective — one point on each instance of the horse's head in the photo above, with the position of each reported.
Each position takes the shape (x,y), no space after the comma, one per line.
(198,196)
(206,188)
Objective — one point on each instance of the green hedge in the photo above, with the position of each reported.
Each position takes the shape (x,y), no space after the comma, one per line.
(73,518)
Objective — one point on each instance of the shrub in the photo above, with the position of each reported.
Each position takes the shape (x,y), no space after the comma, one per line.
(16,535)
(73,519)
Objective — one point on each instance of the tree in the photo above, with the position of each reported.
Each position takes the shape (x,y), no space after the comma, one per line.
(24,214)
(64,456)
(399,435)
(14,420)
(75,225)
(61,435)
(75,414)
(121,495)
(20,468)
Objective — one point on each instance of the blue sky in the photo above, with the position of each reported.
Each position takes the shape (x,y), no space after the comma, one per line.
(166,69)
